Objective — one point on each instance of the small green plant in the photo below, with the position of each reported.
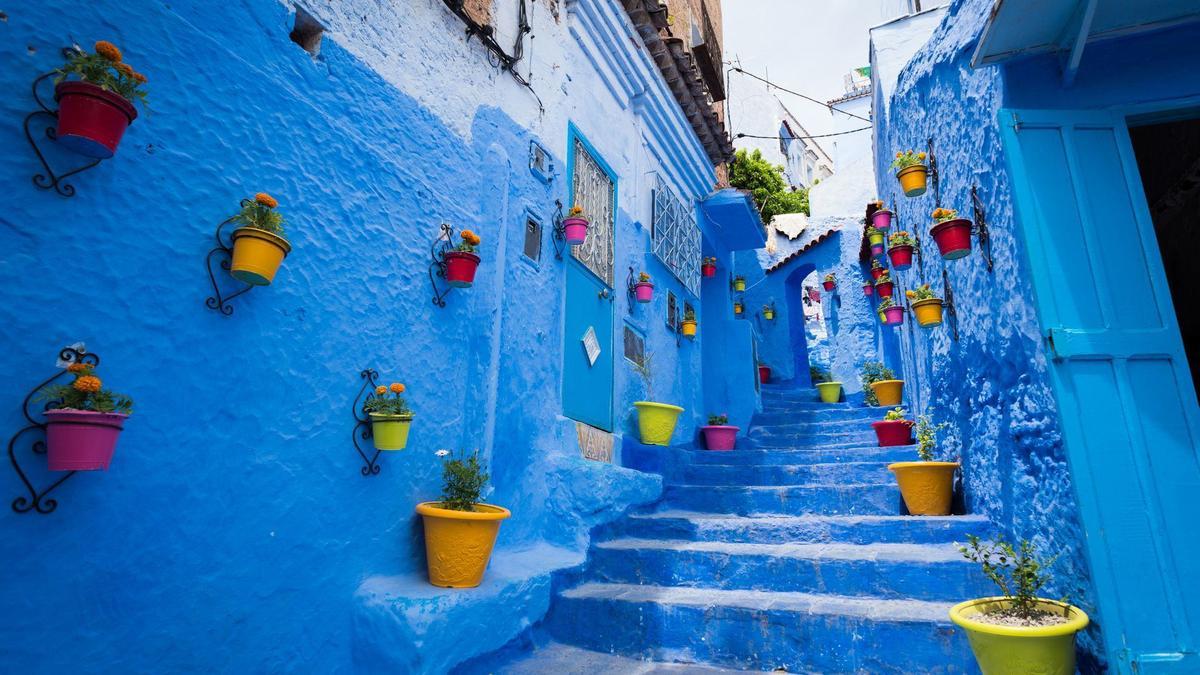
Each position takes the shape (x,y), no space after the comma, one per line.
(462,481)
(383,404)
(886,303)
(908,158)
(922,292)
(260,214)
(872,231)
(643,278)
(895,414)
(900,238)
(876,265)
(105,69)
(689,314)
(709,260)
(831,278)
(739,278)
(819,374)
(885,278)
(84,392)
(871,372)
(926,432)
(1016,570)
(718,420)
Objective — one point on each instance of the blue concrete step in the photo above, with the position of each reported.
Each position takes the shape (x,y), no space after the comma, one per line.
(810,528)
(777,437)
(920,571)
(815,424)
(781,474)
(763,630)
(800,455)
(839,499)
(556,658)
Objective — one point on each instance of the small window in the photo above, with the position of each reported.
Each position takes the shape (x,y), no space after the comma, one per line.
(635,347)
(540,164)
(533,239)
(307,32)
(672,317)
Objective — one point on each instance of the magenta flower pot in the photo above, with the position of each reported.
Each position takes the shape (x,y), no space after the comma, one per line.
(81,440)
(893,432)
(644,290)
(876,249)
(576,230)
(722,437)
(895,315)
(868,289)
(881,219)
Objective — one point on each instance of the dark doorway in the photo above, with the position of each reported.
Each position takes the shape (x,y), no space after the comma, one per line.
(1168,157)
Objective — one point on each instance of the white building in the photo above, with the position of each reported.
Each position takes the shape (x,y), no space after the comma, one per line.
(768,125)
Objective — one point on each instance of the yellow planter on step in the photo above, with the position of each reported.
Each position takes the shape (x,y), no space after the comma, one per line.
(927,487)
(888,392)
(928,311)
(1000,650)
(831,392)
(912,180)
(656,421)
(458,544)
(257,255)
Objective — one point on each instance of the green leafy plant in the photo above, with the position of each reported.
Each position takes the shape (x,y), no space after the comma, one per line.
(1016,570)
(922,292)
(900,238)
(908,158)
(381,403)
(942,215)
(819,374)
(718,420)
(689,314)
(926,433)
(463,479)
(895,415)
(876,265)
(871,372)
(260,214)
(643,278)
(105,69)
(84,392)
(885,303)
(831,278)
(764,180)
(871,231)
(709,260)
(885,278)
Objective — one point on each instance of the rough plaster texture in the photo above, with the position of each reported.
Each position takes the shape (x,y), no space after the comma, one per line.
(234,531)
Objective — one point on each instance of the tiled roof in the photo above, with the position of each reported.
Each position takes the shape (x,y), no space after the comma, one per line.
(811,238)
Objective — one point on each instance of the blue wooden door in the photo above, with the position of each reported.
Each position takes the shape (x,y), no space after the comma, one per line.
(1127,405)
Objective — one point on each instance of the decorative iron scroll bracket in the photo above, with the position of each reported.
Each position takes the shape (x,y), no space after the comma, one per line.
(217,301)
(934,174)
(37,501)
(560,232)
(362,423)
(980,227)
(49,180)
(437,254)
(948,301)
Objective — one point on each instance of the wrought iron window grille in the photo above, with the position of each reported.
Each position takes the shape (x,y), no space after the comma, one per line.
(675,238)
(50,180)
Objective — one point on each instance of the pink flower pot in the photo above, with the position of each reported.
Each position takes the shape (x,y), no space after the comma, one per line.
(901,256)
(868,289)
(893,432)
(885,289)
(881,219)
(720,437)
(709,270)
(829,286)
(876,249)
(894,315)
(576,230)
(644,290)
(81,440)
(953,238)
(460,268)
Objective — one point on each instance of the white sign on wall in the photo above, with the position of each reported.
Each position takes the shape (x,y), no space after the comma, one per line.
(591,346)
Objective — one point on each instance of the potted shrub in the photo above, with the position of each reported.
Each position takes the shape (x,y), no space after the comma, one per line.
(830,391)
(926,306)
(893,314)
(882,217)
(459,530)
(83,421)
(768,312)
(868,288)
(575,226)
(900,249)
(688,326)
(390,417)
(739,283)
(880,386)
(884,285)
(737,307)
(926,486)
(877,269)
(656,421)
(1018,632)
(95,110)
(259,246)
(893,429)
(719,434)
(709,266)
(875,237)
(644,288)
(911,172)
(830,282)
(461,261)
(951,233)
(764,372)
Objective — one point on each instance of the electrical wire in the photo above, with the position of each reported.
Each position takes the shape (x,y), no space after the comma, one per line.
(800,138)
(796,93)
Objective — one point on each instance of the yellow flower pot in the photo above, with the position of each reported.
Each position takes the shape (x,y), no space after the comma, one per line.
(390,432)
(912,180)
(928,311)
(769,315)
(458,544)
(927,487)
(737,308)
(656,421)
(1000,650)
(888,392)
(831,392)
(257,255)
(739,285)
(875,239)
(689,329)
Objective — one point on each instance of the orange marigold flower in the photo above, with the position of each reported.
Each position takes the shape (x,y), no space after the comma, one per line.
(124,69)
(467,235)
(576,210)
(108,50)
(475,239)
(381,390)
(266,200)
(899,154)
(397,388)
(78,367)
(88,383)
(139,78)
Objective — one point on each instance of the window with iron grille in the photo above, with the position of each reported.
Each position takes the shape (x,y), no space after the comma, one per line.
(594,190)
(676,238)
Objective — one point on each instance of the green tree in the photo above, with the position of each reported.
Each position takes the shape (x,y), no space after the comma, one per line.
(749,171)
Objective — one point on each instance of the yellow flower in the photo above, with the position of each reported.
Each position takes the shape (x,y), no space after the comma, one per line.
(910,294)
(108,50)
(125,69)
(576,210)
(87,383)
(397,388)
(380,390)
(920,155)
(899,154)
(266,200)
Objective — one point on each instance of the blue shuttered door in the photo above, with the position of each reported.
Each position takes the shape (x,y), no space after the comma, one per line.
(1128,408)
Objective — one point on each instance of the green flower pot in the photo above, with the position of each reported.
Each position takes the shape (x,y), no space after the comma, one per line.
(390,432)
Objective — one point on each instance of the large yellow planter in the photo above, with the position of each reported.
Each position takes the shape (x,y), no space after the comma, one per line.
(689,329)
(912,180)
(927,487)
(458,544)
(390,432)
(831,392)
(928,311)
(656,421)
(257,255)
(888,392)
(1001,650)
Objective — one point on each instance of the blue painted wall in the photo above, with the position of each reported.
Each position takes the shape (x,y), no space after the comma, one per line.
(234,531)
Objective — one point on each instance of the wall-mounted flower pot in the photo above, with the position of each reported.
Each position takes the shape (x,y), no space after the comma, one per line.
(719,437)
(953,238)
(575,230)
(885,289)
(912,180)
(868,288)
(877,272)
(829,286)
(764,374)
(882,219)
(91,121)
(737,308)
(888,392)
(656,421)
(460,268)
(739,285)
(893,432)
(390,432)
(769,314)
(257,255)
(901,256)
(688,328)
(708,270)
(927,487)
(644,290)
(458,544)
(928,312)
(831,392)
(81,440)
(876,239)
(1048,650)
(893,316)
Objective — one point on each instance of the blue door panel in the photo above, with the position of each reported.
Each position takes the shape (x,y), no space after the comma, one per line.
(587,387)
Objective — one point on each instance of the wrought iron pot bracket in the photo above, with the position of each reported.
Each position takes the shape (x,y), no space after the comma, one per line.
(979,227)
(362,423)
(37,501)
(559,237)
(948,303)
(50,180)
(437,262)
(217,301)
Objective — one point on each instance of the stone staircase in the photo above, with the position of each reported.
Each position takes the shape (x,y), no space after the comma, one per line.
(788,553)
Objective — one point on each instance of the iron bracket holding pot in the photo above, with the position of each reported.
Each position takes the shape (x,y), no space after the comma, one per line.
(948,305)
(934,174)
(980,228)
(217,301)
(437,254)
(362,423)
(559,236)
(37,501)
(50,180)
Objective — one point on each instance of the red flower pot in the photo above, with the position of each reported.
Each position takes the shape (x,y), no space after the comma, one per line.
(953,238)
(575,230)
(894,316)
(885,289)
(901,256)
(829,286)
(764,374)
(876,272)
(868,289)
(722,437)
(709,270)
(81,440)
(460,268)
(881,219)
(893,432)
(91,121)
(644,290)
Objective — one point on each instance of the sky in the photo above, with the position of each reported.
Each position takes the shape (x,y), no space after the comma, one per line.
(804,45)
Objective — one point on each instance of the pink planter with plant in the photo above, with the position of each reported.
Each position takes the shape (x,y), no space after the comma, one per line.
(894,316)
(81,440)
(882,219)
(644,291)
(720,436)
(868,289)
(576,230)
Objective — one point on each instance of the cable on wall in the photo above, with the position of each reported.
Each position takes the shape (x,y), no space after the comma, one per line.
(497,56)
